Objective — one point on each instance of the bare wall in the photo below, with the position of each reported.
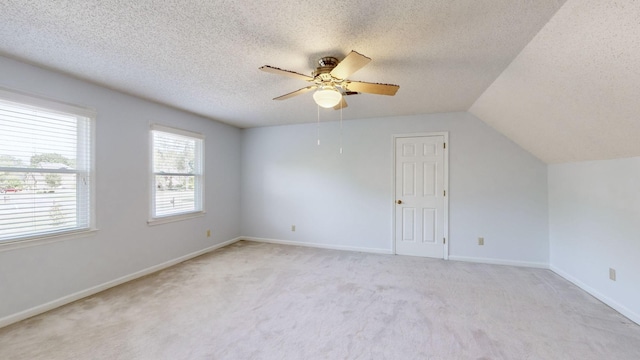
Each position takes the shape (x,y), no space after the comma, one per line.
(594,208)
(497,189)
(124,243)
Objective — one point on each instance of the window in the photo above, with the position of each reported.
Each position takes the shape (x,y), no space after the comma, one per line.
(45,167)
(177,172)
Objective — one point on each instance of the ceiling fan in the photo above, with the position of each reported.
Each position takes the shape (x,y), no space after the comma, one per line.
(330,81)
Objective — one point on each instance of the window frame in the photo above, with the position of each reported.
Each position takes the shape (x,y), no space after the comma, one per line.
(199,179)
(85,200)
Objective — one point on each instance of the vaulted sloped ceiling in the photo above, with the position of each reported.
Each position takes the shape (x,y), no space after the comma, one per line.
(557,78)
(573,93)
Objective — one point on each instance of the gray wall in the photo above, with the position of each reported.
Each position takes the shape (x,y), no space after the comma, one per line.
(124,243)
(594,225)
(497,190)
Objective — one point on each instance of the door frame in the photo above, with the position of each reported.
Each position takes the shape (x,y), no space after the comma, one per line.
(444,134)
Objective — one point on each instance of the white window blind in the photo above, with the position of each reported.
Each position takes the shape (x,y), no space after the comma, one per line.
(177,175)
(45,167)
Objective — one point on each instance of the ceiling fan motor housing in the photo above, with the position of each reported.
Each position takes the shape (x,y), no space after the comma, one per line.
(326,64)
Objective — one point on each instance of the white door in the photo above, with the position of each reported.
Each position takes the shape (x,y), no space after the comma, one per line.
(420,196)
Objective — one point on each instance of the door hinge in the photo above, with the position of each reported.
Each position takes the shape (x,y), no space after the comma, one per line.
(444,192)
(444,240)
(444,145)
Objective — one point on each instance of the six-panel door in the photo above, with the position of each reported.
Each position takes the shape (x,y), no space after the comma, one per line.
(420,196)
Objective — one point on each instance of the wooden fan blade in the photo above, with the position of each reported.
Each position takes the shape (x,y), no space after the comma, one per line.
(278,71)
(296,93)
(373,88)
(352,63)
(341,105)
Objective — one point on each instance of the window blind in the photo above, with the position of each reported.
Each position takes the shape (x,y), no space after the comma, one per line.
(45,168)
(177,172)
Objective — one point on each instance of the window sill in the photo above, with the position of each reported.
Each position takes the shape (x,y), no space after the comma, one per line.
(8,245)
(174,218)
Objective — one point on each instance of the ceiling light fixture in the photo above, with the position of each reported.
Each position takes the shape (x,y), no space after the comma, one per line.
(327,97)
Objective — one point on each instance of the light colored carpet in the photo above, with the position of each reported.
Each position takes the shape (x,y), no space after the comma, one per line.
(263,301)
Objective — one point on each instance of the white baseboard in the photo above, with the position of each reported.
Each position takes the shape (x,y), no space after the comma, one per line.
(593,292)
(499,262)
(7,320)
(315,245)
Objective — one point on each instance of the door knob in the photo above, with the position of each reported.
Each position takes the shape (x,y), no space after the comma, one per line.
(399,202)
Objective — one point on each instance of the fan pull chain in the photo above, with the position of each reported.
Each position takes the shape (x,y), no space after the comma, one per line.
(318,126)
(341,130)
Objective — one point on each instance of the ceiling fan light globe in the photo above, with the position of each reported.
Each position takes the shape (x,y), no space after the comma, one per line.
(327,98)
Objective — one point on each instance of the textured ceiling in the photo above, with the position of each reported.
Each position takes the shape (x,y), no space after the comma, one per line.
(573,93)
(203,56)
(561,80)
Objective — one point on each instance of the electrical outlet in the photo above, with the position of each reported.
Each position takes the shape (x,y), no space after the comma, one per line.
(293,228)
(612,274)
(480,241)
(208,233)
